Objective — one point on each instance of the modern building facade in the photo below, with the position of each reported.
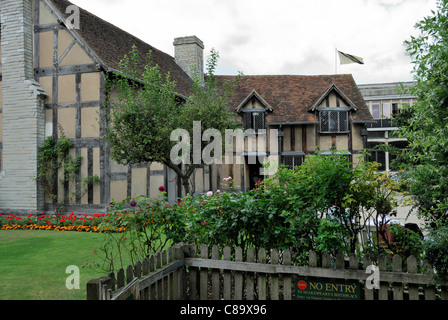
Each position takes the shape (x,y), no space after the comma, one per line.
(384,100)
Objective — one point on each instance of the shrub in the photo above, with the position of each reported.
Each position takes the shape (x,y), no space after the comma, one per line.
(290,210)
(436,252)
(136,228)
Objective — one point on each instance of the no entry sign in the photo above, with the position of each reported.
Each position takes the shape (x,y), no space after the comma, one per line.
(306,289)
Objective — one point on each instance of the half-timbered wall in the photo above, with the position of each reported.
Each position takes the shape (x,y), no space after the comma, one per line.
(73,82)
(69,73)
(69,82)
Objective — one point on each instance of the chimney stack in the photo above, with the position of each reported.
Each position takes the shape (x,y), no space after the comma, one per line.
(189,55)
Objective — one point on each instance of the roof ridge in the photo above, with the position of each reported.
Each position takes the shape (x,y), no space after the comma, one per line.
(286,75)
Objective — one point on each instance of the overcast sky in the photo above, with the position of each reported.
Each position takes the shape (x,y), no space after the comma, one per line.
(282,36)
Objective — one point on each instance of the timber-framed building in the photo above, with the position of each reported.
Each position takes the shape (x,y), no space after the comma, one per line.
(53,76)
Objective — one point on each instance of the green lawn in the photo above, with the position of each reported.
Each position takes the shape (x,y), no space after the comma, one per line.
(33,263)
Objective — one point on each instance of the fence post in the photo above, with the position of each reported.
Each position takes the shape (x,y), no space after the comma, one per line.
(312,259)
(215,274)
(274,277)
(129,274)
(152,267)
(397,266)
(204,275)
(227,275)
(170,277)
(120,278)
(193,275)
(383,293)
(368,293)
(353,265)
(250,276)
(262,277)
(93,289)
(145,271)
(430,293)
(287,279)
(238,275)
(326,260)
(412,268)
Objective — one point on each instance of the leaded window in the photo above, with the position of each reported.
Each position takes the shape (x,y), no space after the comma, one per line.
(254,120)
(292,161)
(333,121)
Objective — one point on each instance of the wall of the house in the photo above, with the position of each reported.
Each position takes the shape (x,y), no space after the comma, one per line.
(73,83)
(305,137)
(22,116)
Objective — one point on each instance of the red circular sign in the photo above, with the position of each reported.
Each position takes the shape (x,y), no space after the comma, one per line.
(302,285)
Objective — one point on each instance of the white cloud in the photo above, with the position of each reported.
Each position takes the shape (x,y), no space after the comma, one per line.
(281,37)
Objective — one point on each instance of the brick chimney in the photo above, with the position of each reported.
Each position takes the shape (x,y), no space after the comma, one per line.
(22,108)
(189,55)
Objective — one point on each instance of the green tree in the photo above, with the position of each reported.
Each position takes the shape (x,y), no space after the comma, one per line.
(425,123)
(145,110)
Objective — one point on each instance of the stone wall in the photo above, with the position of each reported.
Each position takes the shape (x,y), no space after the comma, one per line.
(23,120)
(188,53)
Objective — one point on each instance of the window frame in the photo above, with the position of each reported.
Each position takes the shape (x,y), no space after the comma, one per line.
(332,128)
(300,156)
(249,119)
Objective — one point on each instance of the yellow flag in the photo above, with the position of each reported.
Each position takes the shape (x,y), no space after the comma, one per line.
(346,58)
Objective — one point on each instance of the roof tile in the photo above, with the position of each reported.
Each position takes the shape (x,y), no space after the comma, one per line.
(293,96)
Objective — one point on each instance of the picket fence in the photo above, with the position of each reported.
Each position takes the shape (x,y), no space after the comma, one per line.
(183,273)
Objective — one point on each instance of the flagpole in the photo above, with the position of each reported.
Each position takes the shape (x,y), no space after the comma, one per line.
(336,60)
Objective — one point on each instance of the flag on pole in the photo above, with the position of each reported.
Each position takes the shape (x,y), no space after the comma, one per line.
(346,58)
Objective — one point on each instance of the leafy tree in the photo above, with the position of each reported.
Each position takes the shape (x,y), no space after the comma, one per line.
(425,123)
(145,110)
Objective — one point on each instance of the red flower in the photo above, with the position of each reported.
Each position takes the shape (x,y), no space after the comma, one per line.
(161,188)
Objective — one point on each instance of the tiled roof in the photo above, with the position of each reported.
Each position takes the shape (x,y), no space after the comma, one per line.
(110,43)
(292,97)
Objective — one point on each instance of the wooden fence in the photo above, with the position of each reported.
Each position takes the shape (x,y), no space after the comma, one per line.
(183,273)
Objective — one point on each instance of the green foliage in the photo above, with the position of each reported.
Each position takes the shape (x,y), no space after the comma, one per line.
(53,156)
(424,123)
(436,252)
(406,242)
(145,109)
(142,103)
(291,209)
(135,229)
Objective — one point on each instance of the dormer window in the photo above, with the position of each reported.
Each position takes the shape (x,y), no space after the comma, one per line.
(254,120)
(253,110)
(333,110)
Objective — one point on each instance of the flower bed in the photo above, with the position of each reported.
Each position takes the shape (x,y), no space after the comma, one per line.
(56,222)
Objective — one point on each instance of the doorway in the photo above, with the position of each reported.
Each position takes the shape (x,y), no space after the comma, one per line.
(254,172)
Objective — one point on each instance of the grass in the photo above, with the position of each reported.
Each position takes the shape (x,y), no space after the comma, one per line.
(33,263)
